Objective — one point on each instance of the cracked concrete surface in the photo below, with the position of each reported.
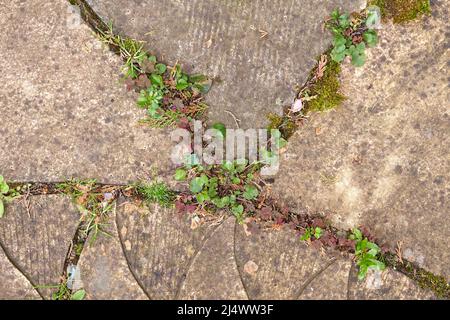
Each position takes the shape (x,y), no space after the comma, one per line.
(64,113)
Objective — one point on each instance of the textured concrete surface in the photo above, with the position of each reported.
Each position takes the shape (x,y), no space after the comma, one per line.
(64,112)
(284,263)
(388,285)
(105,274)
(13,284)
(215,263)
(222,39)
(37,239)
(159,246)
(170,260)
(382,159)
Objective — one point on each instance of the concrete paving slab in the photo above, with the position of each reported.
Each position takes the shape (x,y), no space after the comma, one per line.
(254,74)
(213,274)
(64,112)
(13,284)
(382,159)
(105,274)
(36,236)
(159,246)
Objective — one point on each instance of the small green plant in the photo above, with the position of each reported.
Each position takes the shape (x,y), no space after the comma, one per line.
(156,192)
(230,185)
(6,195)
(167,93)
(351,36)
(311,232)
(366,254)
(94,202)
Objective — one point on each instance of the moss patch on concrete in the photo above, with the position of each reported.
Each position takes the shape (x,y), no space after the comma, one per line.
(402,10)
(325,91)
(425,279)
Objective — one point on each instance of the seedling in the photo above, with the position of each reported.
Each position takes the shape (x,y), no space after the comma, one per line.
(366,254)
(230,185)
(312,233)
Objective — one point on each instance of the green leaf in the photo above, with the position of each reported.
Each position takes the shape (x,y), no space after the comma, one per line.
(180,174)
(220,127)
(371,38)
(338,56)
(78,295)
(306,236)
(235,180)
(318,232)
(339,40)
(197,184)
(221,202)
(251,192)
(228,165)
(201,82)
(372,19)
(182,84)
(356,234)
(358,54)
(161,68)
(344,21)
(157,79)
(202,197)
(4,188)
(2,208)
(238,210)
(152,59)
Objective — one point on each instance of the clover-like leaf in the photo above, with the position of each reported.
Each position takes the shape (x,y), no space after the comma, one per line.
(78,295)
(180,174)
(371,38)
(251,192)
(161,68)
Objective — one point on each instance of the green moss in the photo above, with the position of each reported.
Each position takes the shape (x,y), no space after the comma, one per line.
(424,278)
(326,90)
(402,10)
(285,124)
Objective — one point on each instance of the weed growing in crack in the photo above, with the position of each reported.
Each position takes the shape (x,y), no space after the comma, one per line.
(156,192)
(169,95)
(94,202)
(231,185)
(63,292)
(366,254)
(7,194)
(311,232)
(351,36)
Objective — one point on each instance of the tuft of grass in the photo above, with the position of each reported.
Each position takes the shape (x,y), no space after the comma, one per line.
(326,89)
(156,192)
(401,11)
